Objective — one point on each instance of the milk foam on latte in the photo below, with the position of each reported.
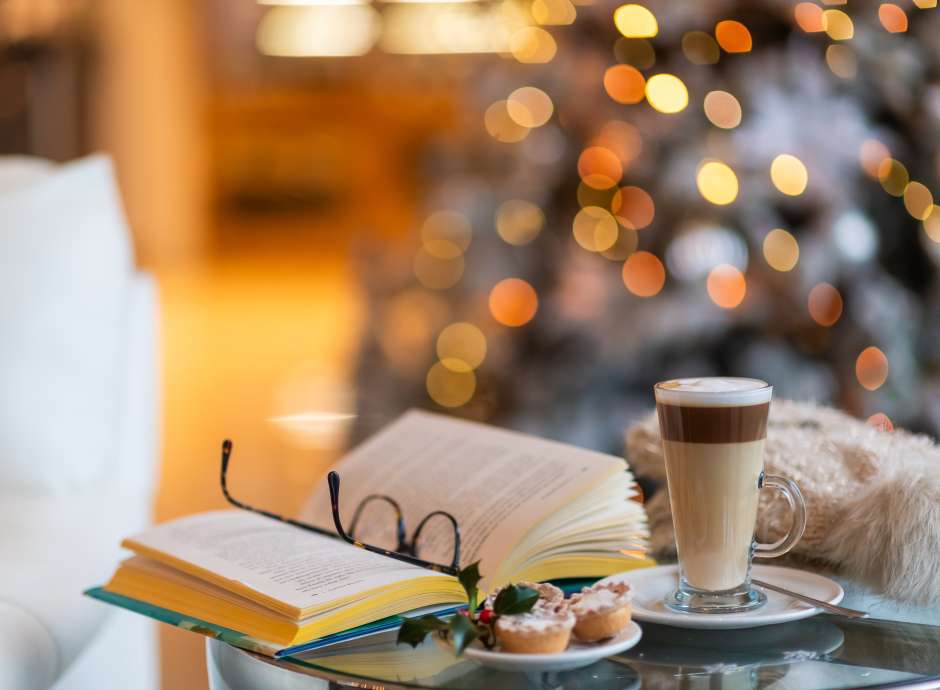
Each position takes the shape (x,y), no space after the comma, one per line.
(713,432)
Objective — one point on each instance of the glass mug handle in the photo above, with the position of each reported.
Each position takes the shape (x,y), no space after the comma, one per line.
(794,497)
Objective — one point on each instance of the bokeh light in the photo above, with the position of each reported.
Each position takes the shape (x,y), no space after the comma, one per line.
(893,176)
(599,167)
(871,368)
(699,48)
(635,21)
(892,18)
(918,200)
(449,388)
(553,12)
(666,93)
(838,25)
(781,250)
(319,30)
(500,125)
(624,84)
(532,45)
(733,37)
(789,174)
(513,302)
(446,234)
(880,421)
(529,107)
(595,229)
(825,304)
(842,61)
(925,4)
(809,17)
(644,274)
(726,286)
(435,272)
(871,155)
(932,224)
(620,137)
(626,244)
(634,207)
(722,109)
(589,196)
(461,347)
(717,183)
(637,52)
(519,221)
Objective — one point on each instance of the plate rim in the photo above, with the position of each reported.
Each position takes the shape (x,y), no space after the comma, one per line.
(598,651)
(750,619)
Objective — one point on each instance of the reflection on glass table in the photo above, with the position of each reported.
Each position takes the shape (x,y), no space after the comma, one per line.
(814,654)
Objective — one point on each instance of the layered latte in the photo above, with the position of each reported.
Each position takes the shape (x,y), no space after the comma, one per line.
(713,432)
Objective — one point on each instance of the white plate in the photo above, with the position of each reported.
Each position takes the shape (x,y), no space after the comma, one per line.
(651,586)
(577,655)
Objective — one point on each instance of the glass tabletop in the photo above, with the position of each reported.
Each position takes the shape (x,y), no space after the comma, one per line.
(814,654)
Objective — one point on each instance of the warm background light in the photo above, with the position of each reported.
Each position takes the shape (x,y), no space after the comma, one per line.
(892,18)
(918,200)
(809,17)
(624,84)
(699,48)
(519,221)
(461,347)
(789,174)
(513,302)
(318,30)
(825,304)
(733,36)
(893,176)
(726,286)
(634,207)
(529,107)
(871,368)
(717,183)
(595,229)
(644,274)
(635,21)
(838,25)
(500,125)
(722,109)
(666,93)
(449,388)
(781,250)
(599,167)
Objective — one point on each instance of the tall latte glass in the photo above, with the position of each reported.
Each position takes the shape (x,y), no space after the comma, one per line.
(713,432)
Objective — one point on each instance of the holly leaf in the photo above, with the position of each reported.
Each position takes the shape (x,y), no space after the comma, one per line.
(469,578)
(414,630)
(463,632)
(512,600)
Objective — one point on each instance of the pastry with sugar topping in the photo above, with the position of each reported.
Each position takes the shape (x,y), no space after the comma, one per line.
(545,629)
(601,611)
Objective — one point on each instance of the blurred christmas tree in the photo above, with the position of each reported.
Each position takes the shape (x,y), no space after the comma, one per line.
(675,189)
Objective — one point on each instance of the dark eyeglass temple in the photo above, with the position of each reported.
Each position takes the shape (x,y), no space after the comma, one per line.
(226,454)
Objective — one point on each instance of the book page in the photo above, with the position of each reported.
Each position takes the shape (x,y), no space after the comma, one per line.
(290,565)
(498,484)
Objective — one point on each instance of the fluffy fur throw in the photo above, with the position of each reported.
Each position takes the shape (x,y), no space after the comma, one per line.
(872,497)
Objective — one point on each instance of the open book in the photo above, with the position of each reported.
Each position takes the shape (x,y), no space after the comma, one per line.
(527,508)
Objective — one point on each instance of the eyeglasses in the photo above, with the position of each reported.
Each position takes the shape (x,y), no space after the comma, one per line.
(406,549)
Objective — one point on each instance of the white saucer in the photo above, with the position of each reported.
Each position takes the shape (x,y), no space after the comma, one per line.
(577,655)
(651,586)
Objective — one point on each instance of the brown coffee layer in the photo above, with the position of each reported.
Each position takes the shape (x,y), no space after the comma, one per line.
(713,424)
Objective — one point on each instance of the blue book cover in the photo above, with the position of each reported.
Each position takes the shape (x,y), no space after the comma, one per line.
(247,642)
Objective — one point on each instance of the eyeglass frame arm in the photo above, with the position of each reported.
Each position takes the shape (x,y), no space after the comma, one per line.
(226,454)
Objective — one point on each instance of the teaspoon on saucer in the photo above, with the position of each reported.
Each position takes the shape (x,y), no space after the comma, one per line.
(826,606)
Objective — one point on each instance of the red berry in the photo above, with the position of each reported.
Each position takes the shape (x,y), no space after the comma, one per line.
(486,616)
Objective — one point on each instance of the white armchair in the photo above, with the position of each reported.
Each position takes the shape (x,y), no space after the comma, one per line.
(78,426)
